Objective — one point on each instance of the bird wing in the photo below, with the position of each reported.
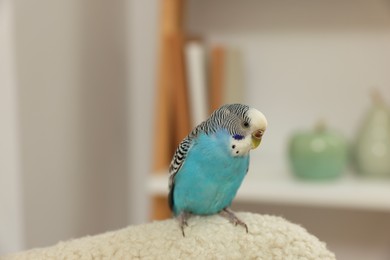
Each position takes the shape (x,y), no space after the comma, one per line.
(176,163)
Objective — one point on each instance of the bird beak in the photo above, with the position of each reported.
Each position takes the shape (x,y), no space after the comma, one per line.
(256,138)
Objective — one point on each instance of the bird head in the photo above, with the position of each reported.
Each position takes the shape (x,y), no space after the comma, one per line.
(242,122)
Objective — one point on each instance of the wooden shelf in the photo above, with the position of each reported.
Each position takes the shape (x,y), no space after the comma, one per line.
(279,187)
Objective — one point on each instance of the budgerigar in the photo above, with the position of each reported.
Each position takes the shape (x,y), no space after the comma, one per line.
(210,164)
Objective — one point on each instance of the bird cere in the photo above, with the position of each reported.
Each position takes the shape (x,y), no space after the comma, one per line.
(210,164)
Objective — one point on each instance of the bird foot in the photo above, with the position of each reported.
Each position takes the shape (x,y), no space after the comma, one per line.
(229,215)
(182,218)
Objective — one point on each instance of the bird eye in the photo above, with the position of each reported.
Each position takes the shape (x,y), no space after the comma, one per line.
(246,124)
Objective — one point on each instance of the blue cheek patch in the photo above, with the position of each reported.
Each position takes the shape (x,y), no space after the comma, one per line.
(238,137)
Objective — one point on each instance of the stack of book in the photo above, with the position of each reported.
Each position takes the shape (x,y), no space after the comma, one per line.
(201,79)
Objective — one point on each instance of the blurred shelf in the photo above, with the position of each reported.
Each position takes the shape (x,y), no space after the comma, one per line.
(349,192)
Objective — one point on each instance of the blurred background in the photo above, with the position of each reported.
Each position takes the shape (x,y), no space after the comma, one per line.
(95,95)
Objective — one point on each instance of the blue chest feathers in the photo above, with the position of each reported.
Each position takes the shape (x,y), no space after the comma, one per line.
(209,178)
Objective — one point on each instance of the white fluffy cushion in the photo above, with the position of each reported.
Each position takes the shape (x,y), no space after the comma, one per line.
(211,237)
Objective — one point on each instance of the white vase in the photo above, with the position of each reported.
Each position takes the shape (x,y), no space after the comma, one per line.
(372,147)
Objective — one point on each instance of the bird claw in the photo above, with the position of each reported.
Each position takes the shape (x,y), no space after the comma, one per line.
(241,223)
(229,215)
(182,218)
(237,221)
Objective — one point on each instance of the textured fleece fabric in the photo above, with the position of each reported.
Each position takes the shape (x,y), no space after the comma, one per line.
(211,237)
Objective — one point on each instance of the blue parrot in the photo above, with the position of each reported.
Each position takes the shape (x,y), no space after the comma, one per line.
(210,164)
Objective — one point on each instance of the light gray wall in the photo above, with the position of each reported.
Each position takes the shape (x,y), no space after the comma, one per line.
(70,60)
(143,50)
(82,94)
(11,204)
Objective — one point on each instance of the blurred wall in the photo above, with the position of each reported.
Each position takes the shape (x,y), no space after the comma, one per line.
(11,207)
(82,95)
(70,66)
(143,50)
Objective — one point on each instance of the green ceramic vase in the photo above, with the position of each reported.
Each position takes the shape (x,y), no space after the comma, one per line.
(318,154)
